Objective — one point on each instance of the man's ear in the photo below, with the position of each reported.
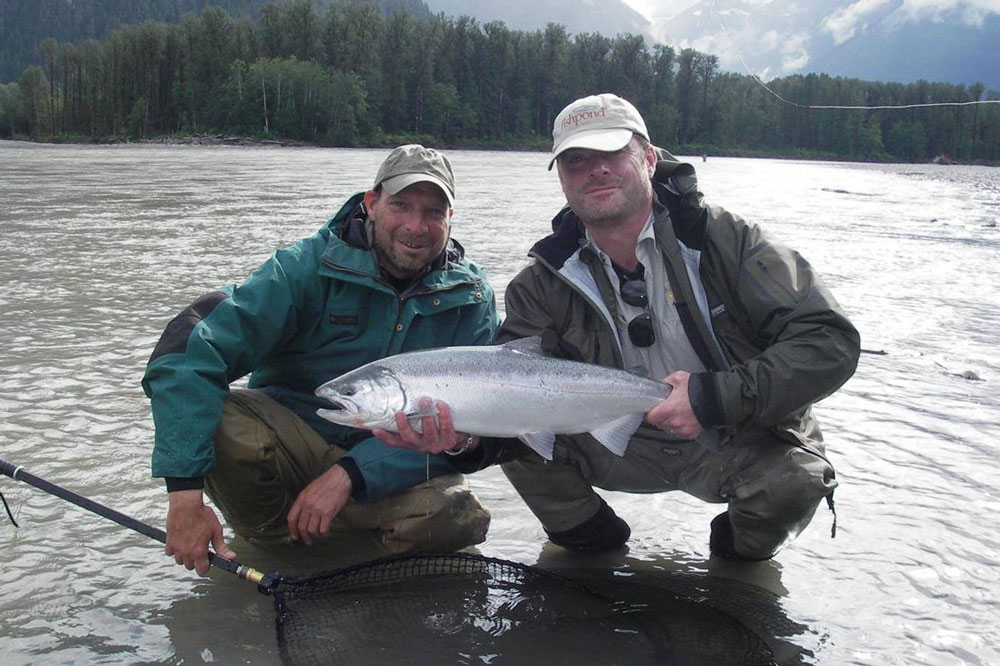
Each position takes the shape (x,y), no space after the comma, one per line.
(370,197)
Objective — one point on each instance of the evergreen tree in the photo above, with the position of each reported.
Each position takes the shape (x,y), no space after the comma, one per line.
(352,73)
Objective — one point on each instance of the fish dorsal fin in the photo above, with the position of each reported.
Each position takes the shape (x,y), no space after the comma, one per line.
(532,345)
(614,435)
(541,442)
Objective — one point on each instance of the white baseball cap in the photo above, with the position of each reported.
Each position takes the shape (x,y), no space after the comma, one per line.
(604,122)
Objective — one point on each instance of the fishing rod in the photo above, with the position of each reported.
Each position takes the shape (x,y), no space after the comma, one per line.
(17,473)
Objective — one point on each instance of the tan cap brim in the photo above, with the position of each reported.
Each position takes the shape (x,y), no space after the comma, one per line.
(605,140)
(397,184)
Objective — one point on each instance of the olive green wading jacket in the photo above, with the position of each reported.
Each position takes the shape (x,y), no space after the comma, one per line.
(770,334)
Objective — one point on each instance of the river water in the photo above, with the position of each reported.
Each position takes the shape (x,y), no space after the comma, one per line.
(102,245)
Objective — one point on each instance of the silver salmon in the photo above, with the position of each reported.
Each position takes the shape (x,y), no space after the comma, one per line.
(511,390)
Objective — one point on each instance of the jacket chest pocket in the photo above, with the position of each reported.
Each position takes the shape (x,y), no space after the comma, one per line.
(735,342)
(345,323)
(584,335)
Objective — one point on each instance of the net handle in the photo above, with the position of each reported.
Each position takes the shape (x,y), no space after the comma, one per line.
(18,474)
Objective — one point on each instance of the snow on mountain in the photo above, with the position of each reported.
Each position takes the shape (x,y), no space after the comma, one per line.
(956,41)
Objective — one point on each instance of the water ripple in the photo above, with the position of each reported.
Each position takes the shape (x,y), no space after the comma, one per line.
(102,245)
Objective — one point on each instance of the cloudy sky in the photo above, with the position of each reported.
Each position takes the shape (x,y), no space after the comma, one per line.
(663,8)
(773,42)
(783,47)
(972,11)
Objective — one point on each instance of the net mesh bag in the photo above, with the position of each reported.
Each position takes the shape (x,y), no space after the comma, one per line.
(470,609)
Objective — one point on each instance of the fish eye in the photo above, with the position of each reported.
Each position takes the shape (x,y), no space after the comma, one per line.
(349,390)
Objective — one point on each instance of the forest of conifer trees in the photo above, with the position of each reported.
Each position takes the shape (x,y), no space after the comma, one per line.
(349,75)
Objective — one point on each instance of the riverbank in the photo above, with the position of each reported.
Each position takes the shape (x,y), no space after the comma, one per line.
(210,139)
(529,145)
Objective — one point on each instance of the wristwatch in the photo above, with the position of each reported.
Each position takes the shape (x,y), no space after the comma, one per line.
(463,448)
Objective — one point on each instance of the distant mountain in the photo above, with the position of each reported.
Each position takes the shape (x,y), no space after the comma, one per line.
(955,41)
(608,17)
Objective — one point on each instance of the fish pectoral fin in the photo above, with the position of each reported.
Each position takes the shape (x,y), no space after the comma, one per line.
(614,435)
(418,413)
(541,442)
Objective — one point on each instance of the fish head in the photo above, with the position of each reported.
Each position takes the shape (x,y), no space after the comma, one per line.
(368,397)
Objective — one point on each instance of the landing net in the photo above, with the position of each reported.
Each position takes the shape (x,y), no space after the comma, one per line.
(470,609)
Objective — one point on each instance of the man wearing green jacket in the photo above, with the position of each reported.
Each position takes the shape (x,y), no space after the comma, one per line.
(380,278)
(639,273)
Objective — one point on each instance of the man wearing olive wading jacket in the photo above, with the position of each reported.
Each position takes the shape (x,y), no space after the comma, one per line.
(639,273)
(382,277)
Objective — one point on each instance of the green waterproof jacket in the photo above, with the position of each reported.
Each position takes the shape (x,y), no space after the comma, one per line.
(772,337)
(310,313)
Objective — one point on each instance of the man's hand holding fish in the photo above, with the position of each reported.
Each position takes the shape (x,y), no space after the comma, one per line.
(437,433)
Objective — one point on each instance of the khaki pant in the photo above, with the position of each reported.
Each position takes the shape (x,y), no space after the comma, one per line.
(265,455)
(771,486)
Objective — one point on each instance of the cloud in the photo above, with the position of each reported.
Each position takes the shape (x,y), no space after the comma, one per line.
(769,40)
(794,55)
(844,23)
(790,48)
(715,44)
(970,12)
(659,10)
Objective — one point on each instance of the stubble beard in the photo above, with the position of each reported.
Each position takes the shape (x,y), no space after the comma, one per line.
(606,215)
(400,263)
(405,266)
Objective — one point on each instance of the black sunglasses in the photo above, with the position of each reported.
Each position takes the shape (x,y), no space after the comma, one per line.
(640,329)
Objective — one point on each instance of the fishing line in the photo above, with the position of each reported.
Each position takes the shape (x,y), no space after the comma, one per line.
(739,54)
(13,472)
(7,507)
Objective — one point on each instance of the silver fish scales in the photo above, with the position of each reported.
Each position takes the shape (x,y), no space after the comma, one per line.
(510,390)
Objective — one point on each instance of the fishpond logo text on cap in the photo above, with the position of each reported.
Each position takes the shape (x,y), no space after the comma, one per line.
(586,113)
(597,122)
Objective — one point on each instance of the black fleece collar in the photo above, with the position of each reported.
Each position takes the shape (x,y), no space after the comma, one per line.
(568,236)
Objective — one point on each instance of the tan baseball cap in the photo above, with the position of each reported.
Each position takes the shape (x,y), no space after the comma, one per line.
(604,122)
(413,163)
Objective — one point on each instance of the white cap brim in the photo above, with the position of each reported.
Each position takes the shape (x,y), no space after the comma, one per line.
(397,184)
(605,140)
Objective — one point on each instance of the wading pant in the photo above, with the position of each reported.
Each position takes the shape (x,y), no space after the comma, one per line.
(265,455)
(771,486)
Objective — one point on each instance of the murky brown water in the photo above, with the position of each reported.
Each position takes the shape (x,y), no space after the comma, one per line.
(102,245)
